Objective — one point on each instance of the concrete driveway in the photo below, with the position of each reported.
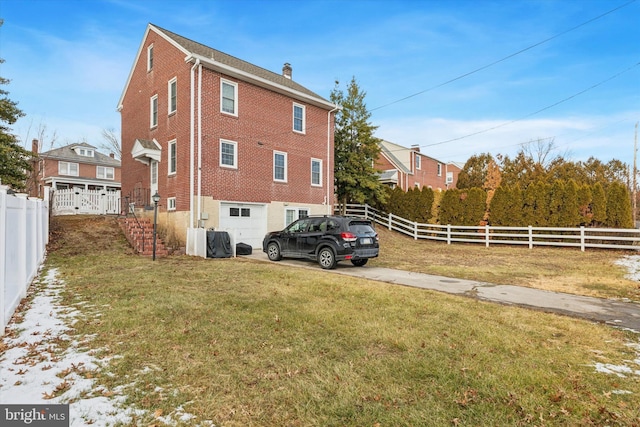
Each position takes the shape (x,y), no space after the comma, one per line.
(621,314)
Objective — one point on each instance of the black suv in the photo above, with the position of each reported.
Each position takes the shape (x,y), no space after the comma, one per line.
(327,239)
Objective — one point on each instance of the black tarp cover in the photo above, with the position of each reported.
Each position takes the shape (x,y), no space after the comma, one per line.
(218,244)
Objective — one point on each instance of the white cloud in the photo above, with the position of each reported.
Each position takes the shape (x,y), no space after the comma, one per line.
(604,137)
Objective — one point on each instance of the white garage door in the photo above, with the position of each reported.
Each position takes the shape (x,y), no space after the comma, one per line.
(246,221)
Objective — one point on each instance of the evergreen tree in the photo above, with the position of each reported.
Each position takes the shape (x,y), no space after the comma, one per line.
(413,204)
(529,204)
(356,148)
(474,206)
(618,206)
(426,204)
(556,202)
(394,201)
(584,204)
(570,216)
(499,207)
(598,205)
(450,207)
(14,160)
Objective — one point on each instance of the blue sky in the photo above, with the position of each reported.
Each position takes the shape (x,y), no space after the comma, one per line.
(68,62)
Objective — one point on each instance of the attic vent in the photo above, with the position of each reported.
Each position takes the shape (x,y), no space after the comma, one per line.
(286,70)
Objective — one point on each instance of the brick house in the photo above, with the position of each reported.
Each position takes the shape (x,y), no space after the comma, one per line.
(226,144)
(73,166)
(408,167)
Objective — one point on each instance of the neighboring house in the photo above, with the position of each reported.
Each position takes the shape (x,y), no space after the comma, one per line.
(407,168)
(226,144)
(73,166)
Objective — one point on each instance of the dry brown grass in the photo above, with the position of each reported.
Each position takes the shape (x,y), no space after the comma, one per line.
(244,343)
(591,273)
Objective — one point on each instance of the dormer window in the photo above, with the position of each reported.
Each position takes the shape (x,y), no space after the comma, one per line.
(84,152)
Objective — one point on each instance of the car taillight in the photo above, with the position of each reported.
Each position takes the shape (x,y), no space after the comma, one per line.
(348,236)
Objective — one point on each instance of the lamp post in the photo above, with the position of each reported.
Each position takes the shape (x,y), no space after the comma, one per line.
(156,199)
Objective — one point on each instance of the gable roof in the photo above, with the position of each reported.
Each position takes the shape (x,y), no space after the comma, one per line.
(232,66)
(68,153)
(388,148)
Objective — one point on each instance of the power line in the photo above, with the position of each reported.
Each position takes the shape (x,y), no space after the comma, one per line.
(535,112)
(506,57)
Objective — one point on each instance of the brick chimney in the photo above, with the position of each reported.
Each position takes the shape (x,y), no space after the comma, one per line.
(415,147)
(35,145)
(286,70)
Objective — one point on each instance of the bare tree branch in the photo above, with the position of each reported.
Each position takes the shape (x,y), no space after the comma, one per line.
(111,142)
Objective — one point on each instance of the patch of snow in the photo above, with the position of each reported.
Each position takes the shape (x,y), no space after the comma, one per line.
(35,369)
(632,264)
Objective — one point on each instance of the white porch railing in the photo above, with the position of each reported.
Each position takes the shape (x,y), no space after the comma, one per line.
(24,234)
(79,201)
(582,237)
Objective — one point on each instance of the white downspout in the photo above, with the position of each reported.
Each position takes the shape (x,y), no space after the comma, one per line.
(329,183)
(199,141)
(191,145)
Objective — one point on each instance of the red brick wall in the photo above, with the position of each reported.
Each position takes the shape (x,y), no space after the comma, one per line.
(426,176)
(264,124)
(85,170)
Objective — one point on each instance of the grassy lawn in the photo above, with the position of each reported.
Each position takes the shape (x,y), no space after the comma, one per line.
(592,273)
(246,343)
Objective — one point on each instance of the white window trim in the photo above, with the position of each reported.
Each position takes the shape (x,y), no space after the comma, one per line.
(418,161)
(67,168)
(106,170)
(149,57)
(319,161)
(235,97)
(304,118)
(172,81)
(151,100)
(275,153)
(235,154)
(296,213)
(171,158)
(439,169)
(171,204)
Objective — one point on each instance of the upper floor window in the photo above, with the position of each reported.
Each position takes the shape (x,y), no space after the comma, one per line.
(173,95)
(316,172)
(229,97)
(417,161)
(104,172)
(299,118)
(153,107)
(228,154)
(439,169)
(279,166)
(150,58)
(85,152)
(68,168)
(172,157)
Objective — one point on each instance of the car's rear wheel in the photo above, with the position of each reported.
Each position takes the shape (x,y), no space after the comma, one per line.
(327,259)
(273,252)
(359,262)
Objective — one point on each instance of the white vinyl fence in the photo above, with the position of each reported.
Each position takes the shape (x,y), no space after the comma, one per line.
(24,234)
(582,237)
(79,201)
